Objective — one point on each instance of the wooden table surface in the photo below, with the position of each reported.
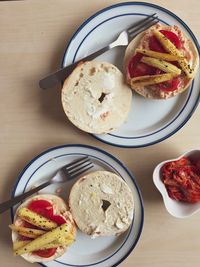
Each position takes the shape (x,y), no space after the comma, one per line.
(33,36)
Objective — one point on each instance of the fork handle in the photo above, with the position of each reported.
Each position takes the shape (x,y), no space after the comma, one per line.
(9,203)
(60,75)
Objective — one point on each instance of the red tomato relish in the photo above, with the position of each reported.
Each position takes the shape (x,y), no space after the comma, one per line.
(182,180)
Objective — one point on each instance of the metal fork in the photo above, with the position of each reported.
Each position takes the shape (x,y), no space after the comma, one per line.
(66,173)
(123,39)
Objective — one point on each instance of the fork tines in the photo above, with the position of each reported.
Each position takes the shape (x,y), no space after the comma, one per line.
(77,167)
(143,25)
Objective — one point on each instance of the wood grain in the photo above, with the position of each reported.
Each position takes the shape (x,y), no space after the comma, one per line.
(34,34)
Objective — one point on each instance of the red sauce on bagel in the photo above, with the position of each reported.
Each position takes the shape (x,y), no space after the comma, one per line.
(155,45)
(45,208)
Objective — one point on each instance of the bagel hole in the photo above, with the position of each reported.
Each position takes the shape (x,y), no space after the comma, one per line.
(105,204)
(101,98)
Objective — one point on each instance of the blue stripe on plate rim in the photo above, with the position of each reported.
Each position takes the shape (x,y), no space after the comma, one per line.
(118,162)
(198,48)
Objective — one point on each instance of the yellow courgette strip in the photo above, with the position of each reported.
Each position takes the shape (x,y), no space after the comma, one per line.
(28,232)
(36,219)
(171,48)
(54,244)
(161,64)
(44,239)
(20,244)
(151,79)
(158,55)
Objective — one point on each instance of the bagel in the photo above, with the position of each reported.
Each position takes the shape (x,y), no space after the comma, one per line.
(59,208)
(95,97)
(101,204)
(188,49)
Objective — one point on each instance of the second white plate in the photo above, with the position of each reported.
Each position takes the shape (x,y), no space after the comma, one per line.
(99,252)
(149,121)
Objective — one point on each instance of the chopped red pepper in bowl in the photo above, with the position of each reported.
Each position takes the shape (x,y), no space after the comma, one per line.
(182,180)
(178,181)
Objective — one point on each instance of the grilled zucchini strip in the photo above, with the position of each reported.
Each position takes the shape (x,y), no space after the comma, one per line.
(171,48)
(20,244)
(54,244)
(28,232)
(161,64)
(36,219)
(40,242)
(151,79)
(158,55)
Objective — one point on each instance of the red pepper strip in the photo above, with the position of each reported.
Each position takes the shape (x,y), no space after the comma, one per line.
(182,180)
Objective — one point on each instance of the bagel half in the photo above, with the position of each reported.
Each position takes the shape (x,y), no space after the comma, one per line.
(101,204)
(60,208)
(95,97)
(141,41)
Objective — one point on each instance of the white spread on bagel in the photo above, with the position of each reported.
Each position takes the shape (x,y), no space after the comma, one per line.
(119,224)
(95,97)
(106,189)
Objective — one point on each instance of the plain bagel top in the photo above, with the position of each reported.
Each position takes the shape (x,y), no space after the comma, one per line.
(95,97)
(102,204)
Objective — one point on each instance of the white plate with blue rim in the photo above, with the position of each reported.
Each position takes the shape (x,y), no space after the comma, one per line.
(99,252)
(149,121)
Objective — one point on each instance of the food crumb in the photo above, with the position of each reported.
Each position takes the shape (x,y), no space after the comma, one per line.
(104,115)
(58,190)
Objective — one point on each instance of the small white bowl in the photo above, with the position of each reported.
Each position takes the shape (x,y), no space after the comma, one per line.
(176,208)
